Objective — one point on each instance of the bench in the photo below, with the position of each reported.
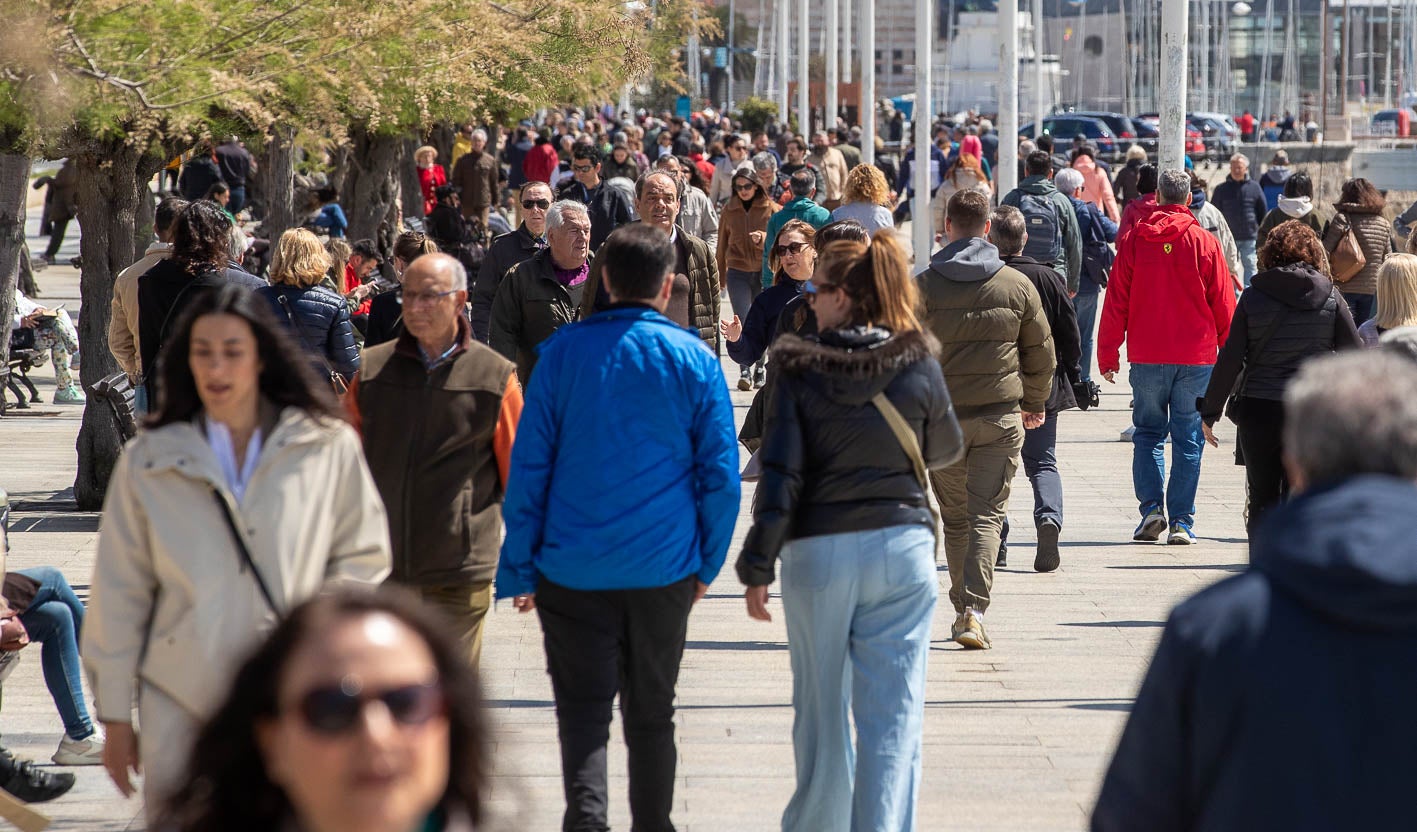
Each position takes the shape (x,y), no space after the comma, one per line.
(117,391)
(23,358)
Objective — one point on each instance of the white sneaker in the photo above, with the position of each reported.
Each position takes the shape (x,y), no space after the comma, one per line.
(72,752)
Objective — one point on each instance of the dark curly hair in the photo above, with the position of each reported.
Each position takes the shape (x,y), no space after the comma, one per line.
(227,788)
(1293,242)
(201,238)
(1362,193)
(287,379)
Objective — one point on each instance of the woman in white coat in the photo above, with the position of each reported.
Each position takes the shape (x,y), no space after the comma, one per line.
(246,495)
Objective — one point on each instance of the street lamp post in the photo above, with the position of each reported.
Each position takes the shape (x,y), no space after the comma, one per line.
(923,235)
(1007,173)
(1174,38)
(867,103)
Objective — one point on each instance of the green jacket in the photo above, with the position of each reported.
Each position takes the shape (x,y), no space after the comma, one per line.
(1069,262)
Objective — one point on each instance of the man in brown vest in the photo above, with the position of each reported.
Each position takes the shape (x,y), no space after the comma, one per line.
(438,412)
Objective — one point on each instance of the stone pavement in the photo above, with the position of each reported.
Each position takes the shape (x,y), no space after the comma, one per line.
(1016,738)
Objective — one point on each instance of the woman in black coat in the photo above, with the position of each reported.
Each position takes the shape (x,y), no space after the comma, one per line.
(317,317)
(1290,313)
(856,416)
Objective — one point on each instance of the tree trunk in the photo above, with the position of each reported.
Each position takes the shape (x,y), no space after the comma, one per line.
(339,169)
(409,186)
(440,137)
(372,182)
(146,216)
(276,176)
(14,187)
(111,177)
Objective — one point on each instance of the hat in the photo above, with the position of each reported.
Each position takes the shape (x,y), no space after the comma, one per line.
(1280,158)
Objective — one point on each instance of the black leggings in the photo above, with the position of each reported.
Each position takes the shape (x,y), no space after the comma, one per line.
(1260,435)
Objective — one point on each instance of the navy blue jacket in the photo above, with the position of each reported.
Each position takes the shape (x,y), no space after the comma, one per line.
(1282,698)
(1093,227)
(625,469)
(760,328)
(321,325)
(1243,205)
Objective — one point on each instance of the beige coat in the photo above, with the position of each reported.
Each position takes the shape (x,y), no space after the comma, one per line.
(123,325)
(172,605)
(833,167)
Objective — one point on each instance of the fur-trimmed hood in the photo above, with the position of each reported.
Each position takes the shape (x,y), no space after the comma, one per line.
(852,365)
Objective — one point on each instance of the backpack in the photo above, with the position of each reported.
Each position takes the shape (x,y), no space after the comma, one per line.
(1045,232)
(1097,255)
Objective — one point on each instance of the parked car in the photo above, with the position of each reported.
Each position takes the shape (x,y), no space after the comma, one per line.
(1391,123)
(1123,128)
(1219,142)
(1064,127)
(1195,140)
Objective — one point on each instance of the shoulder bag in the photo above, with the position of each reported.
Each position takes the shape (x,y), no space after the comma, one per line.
(910,443)
(1345,255)
(337,381)
(245,553)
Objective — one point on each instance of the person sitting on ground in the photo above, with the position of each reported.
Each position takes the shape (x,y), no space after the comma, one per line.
(1223,733)
(293,742)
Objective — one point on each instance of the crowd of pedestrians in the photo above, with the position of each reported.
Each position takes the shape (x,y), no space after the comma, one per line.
(541,415)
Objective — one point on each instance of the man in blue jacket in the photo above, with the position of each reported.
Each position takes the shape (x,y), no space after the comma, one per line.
(1281,698)
(636,407)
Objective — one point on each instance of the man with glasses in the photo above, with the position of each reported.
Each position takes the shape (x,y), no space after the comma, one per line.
(438,413)
(608,207)
(803,207)
(721,187)
(543,293)
(510,250)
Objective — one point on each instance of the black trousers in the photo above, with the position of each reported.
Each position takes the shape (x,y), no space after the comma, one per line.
(1260,435)
(599,644)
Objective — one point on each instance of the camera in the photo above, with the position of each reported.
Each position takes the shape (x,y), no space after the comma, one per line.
(1088,394)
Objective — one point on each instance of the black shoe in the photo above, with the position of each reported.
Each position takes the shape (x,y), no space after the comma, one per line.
(29,782)
(760,376)
(1003,558)
(1046,560)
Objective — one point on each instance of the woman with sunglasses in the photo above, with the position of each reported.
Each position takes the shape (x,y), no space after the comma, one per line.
(855,417)
(358,714)
(247,494)
(742,230)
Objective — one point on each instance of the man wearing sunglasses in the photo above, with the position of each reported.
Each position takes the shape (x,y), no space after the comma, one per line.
(608,207)
(614,582)
(509,251)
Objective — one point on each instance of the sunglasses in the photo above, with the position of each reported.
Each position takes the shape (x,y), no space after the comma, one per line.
(791,248)
(582,168)
(337,709)
(533,204)
(811,288)
(746,186)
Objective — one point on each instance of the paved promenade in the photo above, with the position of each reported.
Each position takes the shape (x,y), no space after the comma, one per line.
(1016,738)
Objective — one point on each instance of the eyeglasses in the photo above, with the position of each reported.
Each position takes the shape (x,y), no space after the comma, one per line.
(535,204)
(793,249)
(746,186)
(582,168)
(415,298)
(335,710)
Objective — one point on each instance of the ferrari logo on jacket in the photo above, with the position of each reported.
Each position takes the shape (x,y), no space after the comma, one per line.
(1166,247)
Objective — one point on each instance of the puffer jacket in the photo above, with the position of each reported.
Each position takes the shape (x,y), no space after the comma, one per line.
(530,305)
(1315,321)
(830,461)
(321,325)
(703,288)
(505,252)
(1374,235)
(995,345)
(171,595)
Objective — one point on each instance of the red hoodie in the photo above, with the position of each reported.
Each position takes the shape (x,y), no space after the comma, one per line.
(1170,296)
(1138,209)
(540,163)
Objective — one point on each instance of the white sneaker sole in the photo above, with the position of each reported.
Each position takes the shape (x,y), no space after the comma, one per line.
(62,759)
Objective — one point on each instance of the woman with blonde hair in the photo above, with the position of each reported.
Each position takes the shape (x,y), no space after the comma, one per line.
(430,176)
(1397,299)
(317,317)
(867,199)
(856,416)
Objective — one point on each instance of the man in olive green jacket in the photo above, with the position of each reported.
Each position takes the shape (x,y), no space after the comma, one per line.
(997,356)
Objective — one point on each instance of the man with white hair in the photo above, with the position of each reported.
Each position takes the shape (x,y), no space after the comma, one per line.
(543,293)
(475,176)
(1170,299)
(1281,698)
(438,412)
(1096,230)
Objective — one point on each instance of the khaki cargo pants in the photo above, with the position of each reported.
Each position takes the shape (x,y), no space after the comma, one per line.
(974,497)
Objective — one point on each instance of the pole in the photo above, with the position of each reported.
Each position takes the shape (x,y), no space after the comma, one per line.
(868,81)
(692,64)
(784,22)
(1174,37)
(1203,97)
(846,73)
(1347,50)
(833,56)
(1038,109)
(1007,174)
(732,55)
(804,46)
(923,235)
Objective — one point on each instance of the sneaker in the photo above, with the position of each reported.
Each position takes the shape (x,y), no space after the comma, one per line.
(1003,558)
(1151,527)
(745,379)
(1181,534)
(1129,433)
(1047,559)
(69,395)
(957,627)
(760,376)
(85,752)
(29,782)
(971,635)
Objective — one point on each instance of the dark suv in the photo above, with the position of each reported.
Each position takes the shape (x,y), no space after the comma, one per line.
(1127,132)
(1065,126)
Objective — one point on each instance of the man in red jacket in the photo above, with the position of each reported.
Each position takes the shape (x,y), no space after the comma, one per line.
(541,161)
(1170,298)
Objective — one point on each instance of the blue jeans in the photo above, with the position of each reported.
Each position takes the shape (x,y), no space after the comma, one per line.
(1086,306)
(1248,258)
(858,607)
(1362,307)
(1164,400)
(54,619)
